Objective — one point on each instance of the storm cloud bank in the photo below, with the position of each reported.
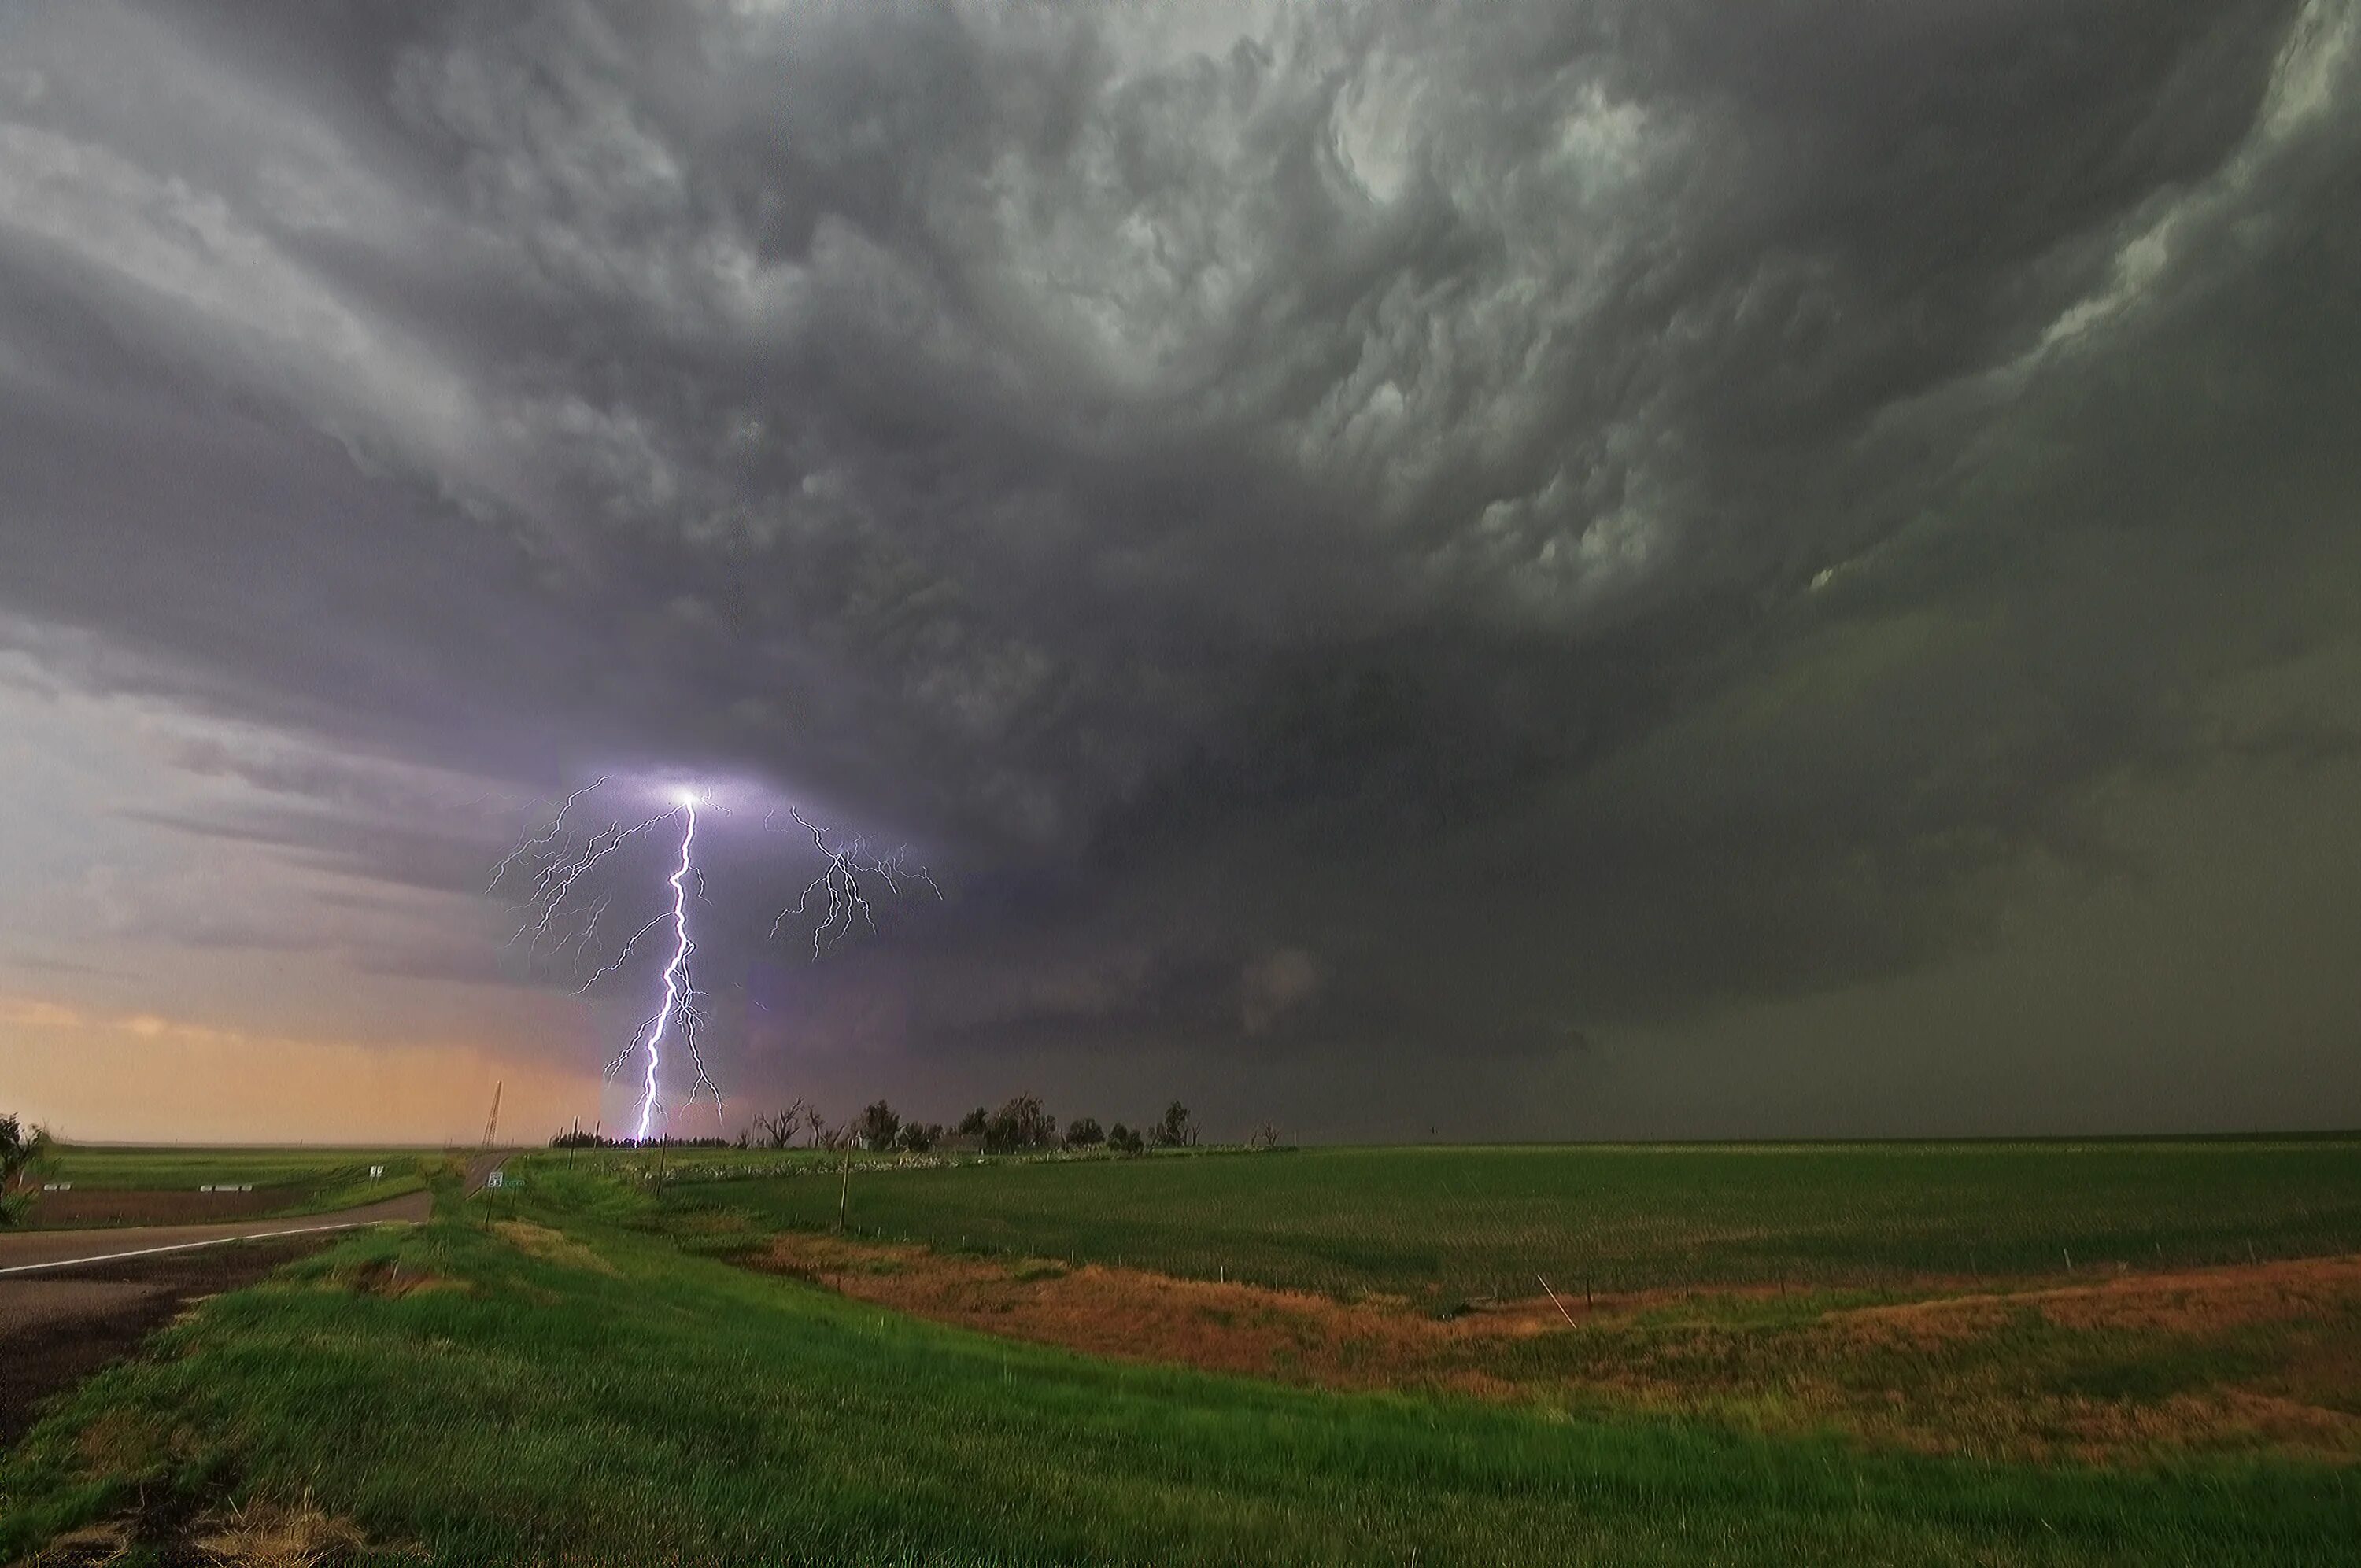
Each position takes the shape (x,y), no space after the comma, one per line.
(1379,530)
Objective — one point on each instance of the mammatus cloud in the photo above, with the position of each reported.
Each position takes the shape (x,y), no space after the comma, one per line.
(1346,527)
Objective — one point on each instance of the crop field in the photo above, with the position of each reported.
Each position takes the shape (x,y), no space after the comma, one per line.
(130,1184)
(586,1366)
(1484,1220)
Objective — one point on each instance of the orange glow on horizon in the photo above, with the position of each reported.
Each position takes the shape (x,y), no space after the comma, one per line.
(70,1071)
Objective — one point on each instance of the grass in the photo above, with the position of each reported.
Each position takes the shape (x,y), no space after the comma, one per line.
(482,1395)
(1475,1222)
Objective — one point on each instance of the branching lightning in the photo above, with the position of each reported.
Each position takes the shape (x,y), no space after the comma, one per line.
(841,873)
(568,878)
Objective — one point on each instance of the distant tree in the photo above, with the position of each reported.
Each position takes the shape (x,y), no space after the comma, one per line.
(1020,1124)
(19,1153)
(576,1138)
(16,1150)
(19,1149)
(1177,1130)
(817,1125)
(1082,1132)
(1264,1136)
(1123,1140)
(975,1124)
(876,1128)
(918,1137)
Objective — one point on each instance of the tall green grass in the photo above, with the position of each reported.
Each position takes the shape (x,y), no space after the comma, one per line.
(1477,1220)
(678,1411)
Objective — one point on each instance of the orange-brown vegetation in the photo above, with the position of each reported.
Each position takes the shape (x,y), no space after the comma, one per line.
(2266,1357)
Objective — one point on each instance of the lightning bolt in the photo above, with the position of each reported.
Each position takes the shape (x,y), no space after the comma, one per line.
(674,975)
(680,993)
(561,870)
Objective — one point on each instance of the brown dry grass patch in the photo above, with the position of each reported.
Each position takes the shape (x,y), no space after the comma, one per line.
(85,1548)
(2187,1303)
(551,1246)
(125,1442)
(392,1281)
(261,1534)
(277,1535)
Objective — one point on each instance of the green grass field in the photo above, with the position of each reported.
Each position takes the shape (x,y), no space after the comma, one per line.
(580,1389)
(1474,1221)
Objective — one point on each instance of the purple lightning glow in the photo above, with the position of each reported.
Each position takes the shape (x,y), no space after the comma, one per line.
(571,879)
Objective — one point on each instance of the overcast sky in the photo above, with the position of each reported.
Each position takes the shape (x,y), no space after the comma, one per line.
(1506,569)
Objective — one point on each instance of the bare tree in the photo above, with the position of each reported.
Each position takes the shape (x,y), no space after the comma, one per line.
(779,1128)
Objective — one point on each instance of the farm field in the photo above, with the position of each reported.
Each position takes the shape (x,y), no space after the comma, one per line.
(127,1184)
(582,1367)
(1458,1222)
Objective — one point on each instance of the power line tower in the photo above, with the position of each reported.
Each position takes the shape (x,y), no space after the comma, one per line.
(492,1122)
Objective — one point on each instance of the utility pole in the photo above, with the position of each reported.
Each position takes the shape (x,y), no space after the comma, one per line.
(492,1122)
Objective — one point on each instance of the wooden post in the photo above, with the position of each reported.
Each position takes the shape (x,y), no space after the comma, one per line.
(843,1190)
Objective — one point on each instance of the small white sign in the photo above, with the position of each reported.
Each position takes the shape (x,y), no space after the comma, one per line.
(377,1173)
(497,1179)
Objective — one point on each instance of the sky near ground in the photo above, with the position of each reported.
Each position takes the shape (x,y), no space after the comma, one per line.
(1507,569)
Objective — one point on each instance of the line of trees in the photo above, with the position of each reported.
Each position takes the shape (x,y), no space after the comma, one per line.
(1021,1123)
(576,1138)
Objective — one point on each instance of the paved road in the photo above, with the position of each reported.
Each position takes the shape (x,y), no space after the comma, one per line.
(30,1252)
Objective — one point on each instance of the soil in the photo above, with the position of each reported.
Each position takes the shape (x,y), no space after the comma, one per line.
(57,1329)
(177,1206)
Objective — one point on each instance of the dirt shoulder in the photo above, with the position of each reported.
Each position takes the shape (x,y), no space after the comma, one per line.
(2262,1358)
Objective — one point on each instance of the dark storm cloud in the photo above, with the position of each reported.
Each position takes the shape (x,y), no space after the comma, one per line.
(1371,525)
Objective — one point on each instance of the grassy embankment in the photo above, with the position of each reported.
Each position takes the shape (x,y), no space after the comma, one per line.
(572,1387)
(507,1393)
